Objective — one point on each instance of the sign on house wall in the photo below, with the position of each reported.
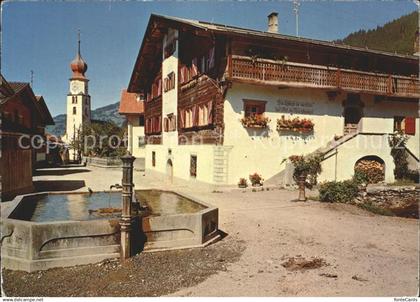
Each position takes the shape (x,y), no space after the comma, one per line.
(290,106)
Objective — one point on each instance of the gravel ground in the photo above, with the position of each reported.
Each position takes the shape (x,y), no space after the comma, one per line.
(147,274)
(362,254)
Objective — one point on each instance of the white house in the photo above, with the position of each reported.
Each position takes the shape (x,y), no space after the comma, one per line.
(223,102)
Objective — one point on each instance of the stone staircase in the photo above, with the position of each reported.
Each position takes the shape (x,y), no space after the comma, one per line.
(285,177)
(333,144)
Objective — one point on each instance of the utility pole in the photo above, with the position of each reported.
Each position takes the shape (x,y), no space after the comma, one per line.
(296,5)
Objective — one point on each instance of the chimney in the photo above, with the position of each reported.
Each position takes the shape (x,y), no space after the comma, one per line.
(273,23)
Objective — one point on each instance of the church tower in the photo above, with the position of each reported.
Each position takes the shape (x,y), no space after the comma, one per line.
(78,101)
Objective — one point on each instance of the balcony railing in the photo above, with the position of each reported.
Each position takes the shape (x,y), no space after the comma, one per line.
(290,74)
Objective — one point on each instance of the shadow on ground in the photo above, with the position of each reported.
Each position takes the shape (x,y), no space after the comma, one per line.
(59,171)
(58,185)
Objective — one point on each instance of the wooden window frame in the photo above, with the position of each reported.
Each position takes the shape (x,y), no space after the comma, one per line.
(259,105)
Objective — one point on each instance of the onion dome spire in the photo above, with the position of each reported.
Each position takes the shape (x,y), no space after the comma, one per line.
(78,66)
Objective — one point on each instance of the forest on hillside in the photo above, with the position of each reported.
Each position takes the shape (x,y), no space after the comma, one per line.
(395,36)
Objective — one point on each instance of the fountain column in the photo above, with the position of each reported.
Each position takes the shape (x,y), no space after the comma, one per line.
(127,195)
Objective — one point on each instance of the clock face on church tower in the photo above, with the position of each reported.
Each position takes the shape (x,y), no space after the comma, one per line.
(76,87)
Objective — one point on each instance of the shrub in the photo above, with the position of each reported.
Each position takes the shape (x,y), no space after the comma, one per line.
(338,191)
(397,142)
(360,177)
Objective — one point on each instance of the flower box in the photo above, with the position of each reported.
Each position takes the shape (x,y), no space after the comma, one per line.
(255,121)
(295,125)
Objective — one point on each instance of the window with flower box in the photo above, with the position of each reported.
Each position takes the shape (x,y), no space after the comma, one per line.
(254,114)
(254,107)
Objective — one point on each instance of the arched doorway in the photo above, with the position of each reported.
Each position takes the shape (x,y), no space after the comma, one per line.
(372,166)
(170,170)
(353,112)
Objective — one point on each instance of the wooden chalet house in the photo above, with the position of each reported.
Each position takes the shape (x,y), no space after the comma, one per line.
(222,102)
(23,119)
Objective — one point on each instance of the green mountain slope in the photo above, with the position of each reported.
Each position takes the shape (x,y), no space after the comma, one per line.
(395,36)
(106,113)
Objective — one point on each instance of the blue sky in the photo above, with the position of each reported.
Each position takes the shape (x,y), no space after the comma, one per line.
(42,36)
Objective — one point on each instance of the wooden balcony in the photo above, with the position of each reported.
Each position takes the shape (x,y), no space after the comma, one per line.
(289,74)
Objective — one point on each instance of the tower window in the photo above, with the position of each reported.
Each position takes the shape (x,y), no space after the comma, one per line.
(74,110)
(74,100)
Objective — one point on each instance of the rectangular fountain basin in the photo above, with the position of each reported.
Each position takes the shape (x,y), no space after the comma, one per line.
(46,230)
(177,221)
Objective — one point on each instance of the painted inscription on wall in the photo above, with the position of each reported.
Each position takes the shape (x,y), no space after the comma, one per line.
(289,106)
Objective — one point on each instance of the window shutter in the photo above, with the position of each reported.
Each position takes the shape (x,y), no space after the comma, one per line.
(210,112)
(165,124)
(181,117)
(194,67)
(181,75)
(211,58)
(410,125)
(195,116)
(203,64)
(159,124)
(159,87)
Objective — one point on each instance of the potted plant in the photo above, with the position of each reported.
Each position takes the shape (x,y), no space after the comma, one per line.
(242,183)
(256,180)
(306,171)
(255,121)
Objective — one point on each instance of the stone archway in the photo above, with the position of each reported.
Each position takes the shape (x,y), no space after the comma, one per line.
(372,166)
(170,171)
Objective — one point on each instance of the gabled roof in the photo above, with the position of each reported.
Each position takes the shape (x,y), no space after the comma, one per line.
(18,86)
(129,103)
(245,31)
(151,47)
(6,90)
(24,92)
(44,110)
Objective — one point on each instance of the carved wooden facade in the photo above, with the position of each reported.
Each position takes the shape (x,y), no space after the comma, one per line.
(211,57)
